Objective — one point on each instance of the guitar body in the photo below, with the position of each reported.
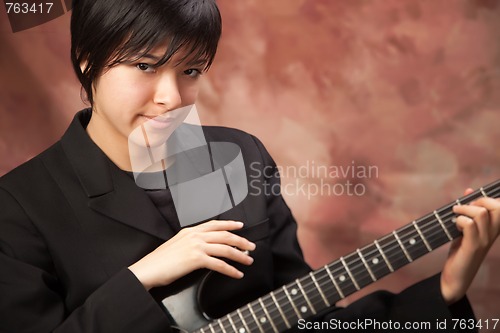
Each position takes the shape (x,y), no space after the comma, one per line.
(184,311)
(181,301)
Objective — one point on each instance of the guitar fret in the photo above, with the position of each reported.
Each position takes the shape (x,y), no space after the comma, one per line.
(243,321)
(422,236)
(432,231)
(358,269)
(375,261)
(231,322)
(306,298)
(451,226)
(292,302)
(350,274)
(383,256)
(473,196)
(341,294)
(319,289)
(267,315)
(255,317)
(442,225)
(327,288)
(280,310)
(343,280)
(366,265)
(483,193)
(458,202)
(414,243)
(402,246)
(221,326)
(493,188)
(393,251)
(211,328)
(264,320)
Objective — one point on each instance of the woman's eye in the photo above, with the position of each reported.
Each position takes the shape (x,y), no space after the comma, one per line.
(193,72)
(145,68)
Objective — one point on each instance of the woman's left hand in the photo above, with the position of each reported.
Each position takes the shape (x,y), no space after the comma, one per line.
(480,225)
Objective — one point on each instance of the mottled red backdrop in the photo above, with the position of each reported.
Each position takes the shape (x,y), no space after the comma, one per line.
(408,90)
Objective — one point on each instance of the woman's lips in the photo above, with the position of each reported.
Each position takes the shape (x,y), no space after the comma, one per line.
(159,122)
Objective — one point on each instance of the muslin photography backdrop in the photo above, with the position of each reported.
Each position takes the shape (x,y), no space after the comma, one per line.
(406,91)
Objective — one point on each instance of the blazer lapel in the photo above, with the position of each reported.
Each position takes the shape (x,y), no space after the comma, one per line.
(110,191)
(129,204)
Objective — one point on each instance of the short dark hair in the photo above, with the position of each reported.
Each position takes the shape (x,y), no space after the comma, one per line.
(107,32)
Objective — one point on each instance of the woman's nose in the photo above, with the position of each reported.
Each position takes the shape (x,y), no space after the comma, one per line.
(167,92)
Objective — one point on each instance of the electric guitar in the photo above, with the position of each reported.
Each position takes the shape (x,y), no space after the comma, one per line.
(322,288)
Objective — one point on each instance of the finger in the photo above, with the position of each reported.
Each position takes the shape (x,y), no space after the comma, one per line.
(493,208)
(463,222)
(228,252)
(469,228)
(479,216)
(223,267)
(468,191)
(471,211)
(228,238)
(219,225)
(488,203)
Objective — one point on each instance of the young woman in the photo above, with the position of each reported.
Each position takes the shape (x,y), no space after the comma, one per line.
(83,248)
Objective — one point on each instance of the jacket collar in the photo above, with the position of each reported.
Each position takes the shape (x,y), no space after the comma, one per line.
(110,191)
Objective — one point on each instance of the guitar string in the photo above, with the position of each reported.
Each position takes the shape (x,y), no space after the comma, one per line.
(284,310)
(404,237)
(389,250)
(307,284)
(410,232)
(321,276)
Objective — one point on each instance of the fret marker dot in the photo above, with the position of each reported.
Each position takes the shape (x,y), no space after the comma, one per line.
(342,278)
(263,319)
(294,291)
(303,309)
(241,330)
(412,241)
(375,261)
(454,219)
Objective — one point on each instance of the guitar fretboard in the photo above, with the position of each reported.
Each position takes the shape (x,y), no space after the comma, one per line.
(301,299)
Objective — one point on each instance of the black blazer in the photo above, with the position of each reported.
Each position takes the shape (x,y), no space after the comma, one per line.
(71,223)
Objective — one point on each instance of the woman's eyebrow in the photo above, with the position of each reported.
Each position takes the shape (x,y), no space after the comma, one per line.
(197,62)
(192,62)
(150,56)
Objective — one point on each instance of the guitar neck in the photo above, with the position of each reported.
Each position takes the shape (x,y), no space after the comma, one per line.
(301,299)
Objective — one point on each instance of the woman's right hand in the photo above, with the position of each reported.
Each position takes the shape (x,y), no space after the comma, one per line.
(193,248)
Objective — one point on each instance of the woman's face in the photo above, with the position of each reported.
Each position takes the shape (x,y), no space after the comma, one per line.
(130,94)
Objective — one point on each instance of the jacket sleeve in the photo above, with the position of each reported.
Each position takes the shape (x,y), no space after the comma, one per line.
(32,297)
(422,302)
